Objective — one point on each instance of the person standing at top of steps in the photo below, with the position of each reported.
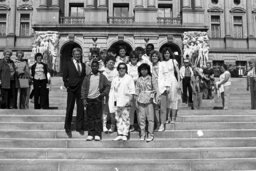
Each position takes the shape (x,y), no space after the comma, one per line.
(225,81)
(94,88)
(73,75)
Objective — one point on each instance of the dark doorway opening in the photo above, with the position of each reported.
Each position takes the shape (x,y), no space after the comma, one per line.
(116,46)
(66,53)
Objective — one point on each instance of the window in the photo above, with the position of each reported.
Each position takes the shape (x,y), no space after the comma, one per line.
(215,1)
(215,27)
(24,24)
(237,2)
(2,24)
(76,10)
(164,11)
(238,27)
(121,10)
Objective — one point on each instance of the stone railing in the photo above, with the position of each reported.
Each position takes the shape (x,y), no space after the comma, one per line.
(72,20)
(168,20)
(120,20)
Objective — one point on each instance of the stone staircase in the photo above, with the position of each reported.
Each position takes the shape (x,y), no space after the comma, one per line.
(201,140)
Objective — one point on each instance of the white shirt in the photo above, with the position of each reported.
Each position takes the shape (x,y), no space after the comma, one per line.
(110,74)
(133,71)
(77,63)
(222,77)
(182,72)
(122,88)
(94,86)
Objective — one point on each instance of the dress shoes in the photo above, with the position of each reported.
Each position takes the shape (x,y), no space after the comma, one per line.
(69,133)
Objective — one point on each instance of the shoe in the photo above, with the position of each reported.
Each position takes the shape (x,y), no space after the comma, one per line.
(97,138)
(168,121)
(150,138)
(89,138)
(161,128)
(105,129)
(124,138)
(142,138)
(132,128)
(172,122)
(112,129)
(118,138)
(69,133)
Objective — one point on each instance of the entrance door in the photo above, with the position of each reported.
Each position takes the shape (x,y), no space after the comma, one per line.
(115,46)
(66,53)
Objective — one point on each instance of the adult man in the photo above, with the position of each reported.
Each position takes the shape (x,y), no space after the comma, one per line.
(146,57)
(186,73)
(95,86)
(73,75)
(209,79)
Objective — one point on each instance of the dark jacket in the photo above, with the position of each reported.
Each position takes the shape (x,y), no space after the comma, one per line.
(71,78)
(104,86)
(5,74)
(33,67)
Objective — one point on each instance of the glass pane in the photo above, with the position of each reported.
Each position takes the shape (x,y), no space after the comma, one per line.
(2,17)
(124,12)
(2,29)
(238,20)
(80,11)
(215,19)
(167,12)
(24,17)
(160,12)
(24,29)
(117,12)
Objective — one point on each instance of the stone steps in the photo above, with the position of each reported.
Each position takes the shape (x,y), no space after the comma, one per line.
(129,165)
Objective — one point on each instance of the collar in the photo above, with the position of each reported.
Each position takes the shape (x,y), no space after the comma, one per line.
(145,78)
(75,61)
(94,74)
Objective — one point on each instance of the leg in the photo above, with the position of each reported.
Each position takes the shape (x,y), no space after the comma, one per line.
(36,95)
(98,119)
(23,95)
(91,117)
(5,96)
(142,123)
(80,111)
(226,96)
(43,94)
(150,118)
(69,110)
(132,114)
(126,120)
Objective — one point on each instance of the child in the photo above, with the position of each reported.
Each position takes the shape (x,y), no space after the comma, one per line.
(145,93)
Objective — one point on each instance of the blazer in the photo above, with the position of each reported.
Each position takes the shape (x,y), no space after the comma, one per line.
(104,86)
(71,78)
(5,75)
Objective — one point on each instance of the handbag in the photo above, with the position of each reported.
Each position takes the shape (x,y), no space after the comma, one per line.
(175,71)
(23,83)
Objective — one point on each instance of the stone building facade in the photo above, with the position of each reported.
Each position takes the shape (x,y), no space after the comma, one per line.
(231,25)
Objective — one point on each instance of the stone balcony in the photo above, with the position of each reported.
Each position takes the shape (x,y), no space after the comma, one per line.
(169,21)
(120,20)
(72,20)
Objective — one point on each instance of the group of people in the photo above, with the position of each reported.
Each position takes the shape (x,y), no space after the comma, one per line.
(16,78)
(115,88)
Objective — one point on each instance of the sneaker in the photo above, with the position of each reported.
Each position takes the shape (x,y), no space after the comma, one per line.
(161,128)
(89,138)
(97,138)
(124,138)
(118,138)
(112,129)
(150,138)
(172,122)
(142,138)
(105,129)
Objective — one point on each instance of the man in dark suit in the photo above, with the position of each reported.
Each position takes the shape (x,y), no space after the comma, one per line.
(73,75)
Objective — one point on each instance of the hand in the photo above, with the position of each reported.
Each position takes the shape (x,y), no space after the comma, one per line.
(247,88)
(85,102)
(219,86)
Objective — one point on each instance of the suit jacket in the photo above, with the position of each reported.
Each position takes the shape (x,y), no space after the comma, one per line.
(5,76)
(71,78)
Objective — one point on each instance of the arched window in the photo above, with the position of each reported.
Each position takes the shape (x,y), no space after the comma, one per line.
(215,1)
(237,2)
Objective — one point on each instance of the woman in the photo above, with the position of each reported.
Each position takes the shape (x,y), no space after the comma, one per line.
(39,75)
(250,73)
(8,81)
(155,58)
(133,72)
(169,85)
(23,72)
(225,82)
(110,72)
(122,92)
(122,56)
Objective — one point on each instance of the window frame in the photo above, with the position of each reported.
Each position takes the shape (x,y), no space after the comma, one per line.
(165,6)
(236,24)
(25,32)
(215,23)
(121,6)
(4,22)
(76,5)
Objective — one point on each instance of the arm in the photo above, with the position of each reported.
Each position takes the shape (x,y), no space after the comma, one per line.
(65,75)
(83,91)
(106,86)
(227,76)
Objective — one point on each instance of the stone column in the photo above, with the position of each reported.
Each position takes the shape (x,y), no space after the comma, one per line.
(90,3)
(55,3)
(198,3)
(151,3)
(186,3)
(12,25)
(102,3)
(43,3)
(139,3)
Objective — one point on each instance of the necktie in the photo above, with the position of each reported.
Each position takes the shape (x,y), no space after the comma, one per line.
(78,68)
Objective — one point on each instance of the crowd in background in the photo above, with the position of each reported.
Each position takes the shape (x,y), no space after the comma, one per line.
(17,79)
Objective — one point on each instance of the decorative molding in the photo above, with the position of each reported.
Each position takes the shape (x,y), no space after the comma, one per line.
(25,7)
(4,7)
(216,10)
(237,10)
